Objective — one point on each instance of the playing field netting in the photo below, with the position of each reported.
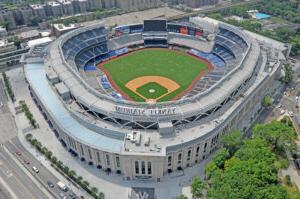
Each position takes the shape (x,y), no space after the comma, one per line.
(154,74)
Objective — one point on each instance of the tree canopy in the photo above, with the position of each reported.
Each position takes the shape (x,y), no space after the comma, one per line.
(276,134)
(232,141)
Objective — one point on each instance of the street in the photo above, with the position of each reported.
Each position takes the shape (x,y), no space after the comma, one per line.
(17,179)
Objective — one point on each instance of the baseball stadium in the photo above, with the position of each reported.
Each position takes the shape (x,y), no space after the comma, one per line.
(150,99)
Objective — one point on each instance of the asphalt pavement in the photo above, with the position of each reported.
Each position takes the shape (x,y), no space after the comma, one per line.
(20,185)
(44,176)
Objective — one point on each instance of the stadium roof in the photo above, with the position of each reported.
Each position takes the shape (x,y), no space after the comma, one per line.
(35,74)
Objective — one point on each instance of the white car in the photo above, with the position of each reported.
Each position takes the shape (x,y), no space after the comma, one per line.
(35,169)
(282,112)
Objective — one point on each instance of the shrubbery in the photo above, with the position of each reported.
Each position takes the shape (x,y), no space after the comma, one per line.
(9,90)
(93,191)
(28,114)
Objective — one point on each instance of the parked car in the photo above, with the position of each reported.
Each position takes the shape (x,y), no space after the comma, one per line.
(26,162)
(62,196)
(18,153)
(62,186)
(72,195)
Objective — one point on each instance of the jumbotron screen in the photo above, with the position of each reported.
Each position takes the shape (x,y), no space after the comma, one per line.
(155,25)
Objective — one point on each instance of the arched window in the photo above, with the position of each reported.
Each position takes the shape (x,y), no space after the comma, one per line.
(179,158)
(189,155)
(169,160)
(197,151)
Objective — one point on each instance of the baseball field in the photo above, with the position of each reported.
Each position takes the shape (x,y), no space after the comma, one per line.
(154,74)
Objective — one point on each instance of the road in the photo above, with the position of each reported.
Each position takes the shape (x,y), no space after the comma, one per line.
(17,179)
(211,9)
(44,175)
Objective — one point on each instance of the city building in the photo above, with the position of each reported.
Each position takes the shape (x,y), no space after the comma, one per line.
(3,31)
(29,35)
(56,8)
(7,17)
(6,46)
(67,5)
(59,29)
(39,10)
(136,5)
(26,13)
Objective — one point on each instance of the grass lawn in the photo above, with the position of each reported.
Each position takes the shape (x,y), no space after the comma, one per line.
(177,66)
(152,90)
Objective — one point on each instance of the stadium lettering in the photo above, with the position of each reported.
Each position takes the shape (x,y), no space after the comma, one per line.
(150,112)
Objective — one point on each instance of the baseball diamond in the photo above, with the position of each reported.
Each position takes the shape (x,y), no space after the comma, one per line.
(180,68)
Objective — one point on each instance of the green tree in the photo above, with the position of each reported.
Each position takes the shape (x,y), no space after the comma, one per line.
(28,136)
(101,195)
(197,187)
(232,141)
(220,158)
(267,101)
(72,174)
(243,176)
(54,160)
(288,74)
(182,197)
(94,189)
(278,135)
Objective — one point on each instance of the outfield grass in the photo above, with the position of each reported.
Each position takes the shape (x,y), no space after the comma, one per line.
(177,66)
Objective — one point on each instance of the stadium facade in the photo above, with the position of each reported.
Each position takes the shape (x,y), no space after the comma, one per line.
(142,140)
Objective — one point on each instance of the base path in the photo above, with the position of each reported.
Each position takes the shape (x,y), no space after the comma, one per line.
(136,83)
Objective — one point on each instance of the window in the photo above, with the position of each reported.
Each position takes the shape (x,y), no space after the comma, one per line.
(82,152)
(189,155)
(98,157)
(90,154)
(197,151)
(137,168)
(149,168)
(179,158)
(107,160)
(118,161)
(143,168)
(169,160)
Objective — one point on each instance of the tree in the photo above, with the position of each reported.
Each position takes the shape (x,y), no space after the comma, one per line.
(16,40)
(54,160)
(220,158)
(72,174)
(28,136)
(248,174)
(278,135)
(197,187)
(288,74)
(48,155)
(78,179)
(94,189)
(267,101)
(66,169)
(101,195)
(182,197)
(59,164)
(232,141)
